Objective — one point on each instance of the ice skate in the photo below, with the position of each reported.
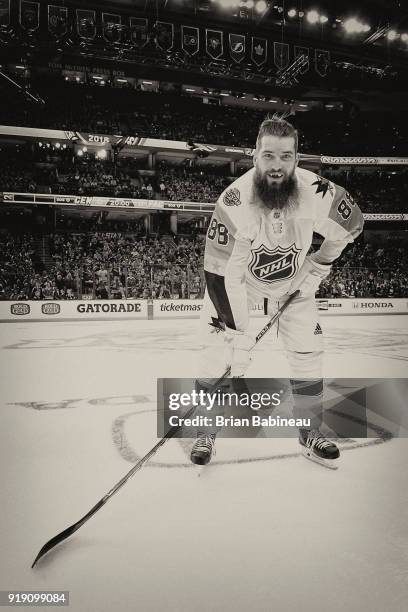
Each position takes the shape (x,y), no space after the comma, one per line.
(203,449)
(318,448)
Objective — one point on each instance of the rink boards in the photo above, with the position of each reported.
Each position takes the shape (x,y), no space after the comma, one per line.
(94,310)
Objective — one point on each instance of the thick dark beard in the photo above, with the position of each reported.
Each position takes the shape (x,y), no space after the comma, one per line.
(282,196)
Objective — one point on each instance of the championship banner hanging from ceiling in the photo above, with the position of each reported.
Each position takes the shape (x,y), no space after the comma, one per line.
(305,52)
(322,61)
(57,20)
(237,47)
(139,31)
(259,50)
(280,55)
(190,39)
(4,12)
(214,43)
(86,24)
(111,29)
(29,15)
(164,35)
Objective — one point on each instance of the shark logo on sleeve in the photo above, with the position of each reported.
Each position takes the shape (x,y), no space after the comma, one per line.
(323,186)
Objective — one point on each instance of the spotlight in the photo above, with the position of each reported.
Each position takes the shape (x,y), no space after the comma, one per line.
(261,6)
(366,28)
(312,16)
(102,154)
(404,37)
(392,35)
(229,3)
(80,152)
(292,13)
(250,4)
(323,19)
(352,26)
(57,145)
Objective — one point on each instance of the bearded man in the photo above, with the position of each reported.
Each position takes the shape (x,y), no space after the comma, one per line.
(257,251)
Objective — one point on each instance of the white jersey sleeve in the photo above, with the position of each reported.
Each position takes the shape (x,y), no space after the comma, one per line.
(226,255)
(340,222)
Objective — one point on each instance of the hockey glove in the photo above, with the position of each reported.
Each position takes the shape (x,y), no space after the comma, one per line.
(238,346)
(309,277)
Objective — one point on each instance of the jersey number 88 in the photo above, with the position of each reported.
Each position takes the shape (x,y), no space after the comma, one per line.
(219,231)
(345,207)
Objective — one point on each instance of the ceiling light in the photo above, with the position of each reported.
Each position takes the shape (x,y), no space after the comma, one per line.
(353,26)
(261,6)
(312,16)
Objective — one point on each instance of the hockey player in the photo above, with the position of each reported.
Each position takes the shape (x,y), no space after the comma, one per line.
(256,248)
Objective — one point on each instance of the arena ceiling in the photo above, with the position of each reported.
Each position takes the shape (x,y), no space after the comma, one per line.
(375,68)
(380,15)
(393,11)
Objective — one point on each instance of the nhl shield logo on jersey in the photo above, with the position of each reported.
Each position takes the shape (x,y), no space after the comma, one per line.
(232,197)
(271,266)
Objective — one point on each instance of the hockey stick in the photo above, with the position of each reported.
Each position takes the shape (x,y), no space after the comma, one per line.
(70,530)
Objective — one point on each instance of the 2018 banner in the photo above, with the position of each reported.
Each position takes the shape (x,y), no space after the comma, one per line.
(305,52)
(190,39)
(139,31)
(4,12)
(237,47)
(57,20)
(322,61)
(86,24)
(111,27)
(29,15)
(259,50)
(214,43)
(280,55)
(164,35)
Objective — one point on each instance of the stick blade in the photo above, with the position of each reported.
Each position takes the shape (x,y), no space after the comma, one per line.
(60,537)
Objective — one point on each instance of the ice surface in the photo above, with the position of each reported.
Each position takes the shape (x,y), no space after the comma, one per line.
(262,529)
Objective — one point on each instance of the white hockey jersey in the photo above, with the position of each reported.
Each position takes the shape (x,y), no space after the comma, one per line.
(253,250)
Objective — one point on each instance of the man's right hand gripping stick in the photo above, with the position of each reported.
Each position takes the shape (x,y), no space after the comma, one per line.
(239,344)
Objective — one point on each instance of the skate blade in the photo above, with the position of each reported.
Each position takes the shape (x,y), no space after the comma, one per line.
(331,464)
(199,468)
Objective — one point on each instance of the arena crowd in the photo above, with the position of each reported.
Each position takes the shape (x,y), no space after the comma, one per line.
(96,256)
(30,169)
(119,265)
